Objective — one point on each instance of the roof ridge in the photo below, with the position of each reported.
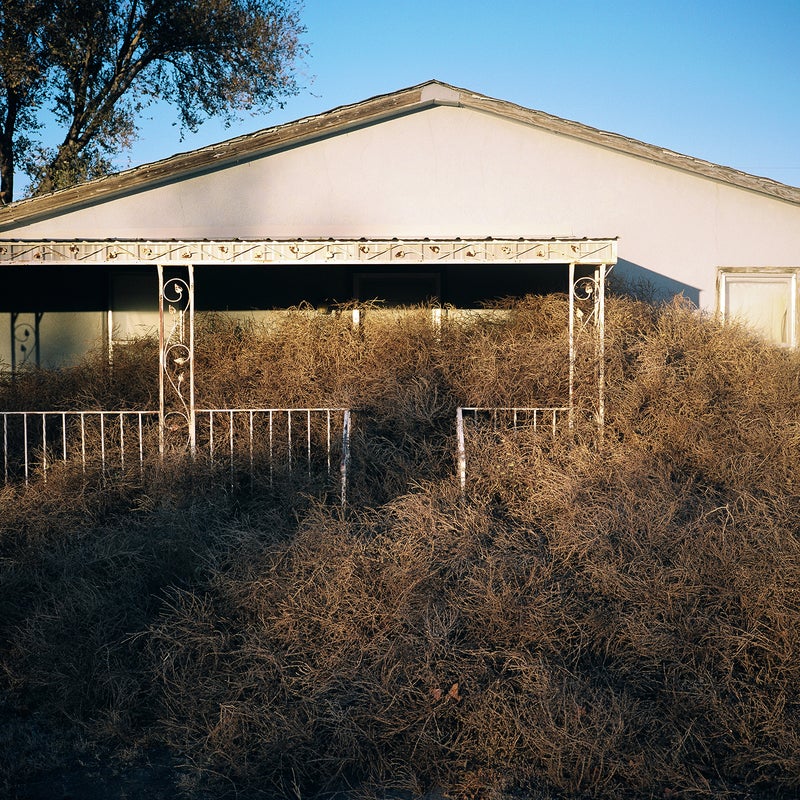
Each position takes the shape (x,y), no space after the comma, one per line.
(423,95)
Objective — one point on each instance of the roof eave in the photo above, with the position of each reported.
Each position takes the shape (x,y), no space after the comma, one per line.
(632,147)
(366,112)
(232,151)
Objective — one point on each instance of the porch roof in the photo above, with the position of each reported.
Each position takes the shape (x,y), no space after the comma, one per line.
(579,251)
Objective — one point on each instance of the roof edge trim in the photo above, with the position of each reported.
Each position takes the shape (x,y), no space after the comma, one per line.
(415,98)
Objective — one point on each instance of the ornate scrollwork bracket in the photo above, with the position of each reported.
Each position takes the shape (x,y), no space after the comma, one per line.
(176,357)
(586,292)
(587,311)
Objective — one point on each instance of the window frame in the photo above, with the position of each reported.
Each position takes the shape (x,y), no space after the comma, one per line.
(726,275)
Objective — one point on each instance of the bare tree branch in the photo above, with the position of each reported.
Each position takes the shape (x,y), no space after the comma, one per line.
(97,63)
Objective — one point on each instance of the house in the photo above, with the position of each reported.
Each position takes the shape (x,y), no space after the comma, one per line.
(429,193)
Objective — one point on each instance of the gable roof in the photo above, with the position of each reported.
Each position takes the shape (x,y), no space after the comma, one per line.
(367,112)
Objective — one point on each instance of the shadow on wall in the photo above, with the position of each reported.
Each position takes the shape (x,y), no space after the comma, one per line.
(47,339)
(637,281)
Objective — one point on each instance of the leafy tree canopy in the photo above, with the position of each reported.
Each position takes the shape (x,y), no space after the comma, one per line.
(96,64)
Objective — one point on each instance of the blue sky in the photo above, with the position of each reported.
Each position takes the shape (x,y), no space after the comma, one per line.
(715,80)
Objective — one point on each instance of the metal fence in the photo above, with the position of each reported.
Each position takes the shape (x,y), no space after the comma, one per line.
(251,441)
(548,419)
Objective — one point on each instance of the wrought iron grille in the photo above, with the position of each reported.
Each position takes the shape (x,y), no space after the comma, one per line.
(545,418)
(252,441)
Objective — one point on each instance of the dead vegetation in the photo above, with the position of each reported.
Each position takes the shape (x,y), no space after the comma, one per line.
(594,619)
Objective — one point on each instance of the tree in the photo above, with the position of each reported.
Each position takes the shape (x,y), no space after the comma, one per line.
(96,64)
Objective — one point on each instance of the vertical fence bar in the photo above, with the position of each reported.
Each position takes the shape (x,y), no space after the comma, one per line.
(64,436)
(271,451)
(25,443)
(83,442)
(308,440)
(329,441)
(121,441)
(289,435)
(251,445)
(44,447)
(5,449)
(103,443)
(461,452)
(345,462)
(141,447)
(230,433)
(211,436)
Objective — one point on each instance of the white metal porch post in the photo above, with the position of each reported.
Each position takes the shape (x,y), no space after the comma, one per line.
(571,403)
(586,288)
(600,277)
(176,357)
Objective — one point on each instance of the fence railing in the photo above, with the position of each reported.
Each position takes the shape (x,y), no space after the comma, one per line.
(511,418)
(245,440)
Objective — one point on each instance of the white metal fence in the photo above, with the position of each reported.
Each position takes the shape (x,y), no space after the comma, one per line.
(548,419)
(252,441)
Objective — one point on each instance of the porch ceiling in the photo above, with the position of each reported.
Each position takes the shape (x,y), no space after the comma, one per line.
(310,251)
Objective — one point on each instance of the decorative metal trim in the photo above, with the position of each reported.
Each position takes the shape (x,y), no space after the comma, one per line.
(176,409)
(536,417)
(351,251)
(587,303)
(123,442)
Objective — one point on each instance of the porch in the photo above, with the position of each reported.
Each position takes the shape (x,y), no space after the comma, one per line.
(455,278)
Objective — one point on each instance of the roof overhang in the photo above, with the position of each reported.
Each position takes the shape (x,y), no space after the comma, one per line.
(349,117)
(590,252)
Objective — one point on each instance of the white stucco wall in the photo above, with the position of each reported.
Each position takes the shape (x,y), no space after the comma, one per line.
(447,172)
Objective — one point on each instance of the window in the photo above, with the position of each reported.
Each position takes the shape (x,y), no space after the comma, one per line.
(764,299)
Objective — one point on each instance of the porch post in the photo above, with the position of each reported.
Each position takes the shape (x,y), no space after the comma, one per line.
(191,409)
(571,404)
(161,361)
(601,348)
(176,405)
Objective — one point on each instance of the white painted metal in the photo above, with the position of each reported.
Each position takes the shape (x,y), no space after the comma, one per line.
(461,450)
(176,404)
(99,438)
(538,415)
(571,323)
(591,251)
(601,347)
(344,463)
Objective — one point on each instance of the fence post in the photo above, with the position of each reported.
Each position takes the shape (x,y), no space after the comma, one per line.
(461,451)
